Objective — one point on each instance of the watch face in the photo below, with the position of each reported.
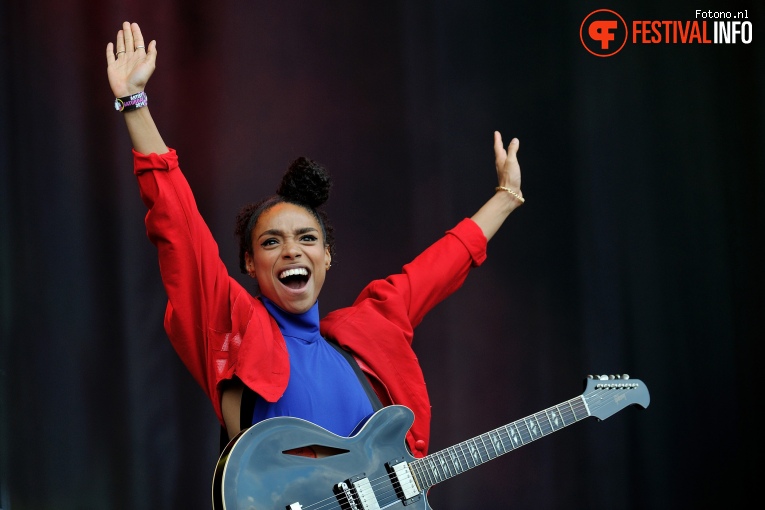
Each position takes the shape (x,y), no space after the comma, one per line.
(118,104)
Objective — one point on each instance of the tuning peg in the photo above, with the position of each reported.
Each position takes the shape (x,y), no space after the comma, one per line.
(625,376)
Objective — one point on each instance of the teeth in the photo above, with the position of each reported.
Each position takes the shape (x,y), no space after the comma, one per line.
(293,272)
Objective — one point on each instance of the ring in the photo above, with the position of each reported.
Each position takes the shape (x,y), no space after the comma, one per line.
(118,53)
(144,47)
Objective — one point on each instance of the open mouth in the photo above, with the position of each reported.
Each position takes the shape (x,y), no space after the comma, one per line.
(295,278)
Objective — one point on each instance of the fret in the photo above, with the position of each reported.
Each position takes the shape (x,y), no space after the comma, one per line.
(413,469)
(475,455)
(533,425)
(549,426)
(556,420)
(417,471)
(524,431)
(496,443)
(445,466)
(480,449)
(544,422)
(464,455)
(508,440)
(456,462)
(434,470)
(427,475)
(581,410)
(567,412)
(484,438)
(515,436)
(468,448)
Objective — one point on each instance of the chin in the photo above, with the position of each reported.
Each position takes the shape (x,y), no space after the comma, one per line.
(296,306)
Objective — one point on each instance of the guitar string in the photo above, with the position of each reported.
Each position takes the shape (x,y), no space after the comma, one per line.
(447,467)
(343,500)
(475,451)
(457,459)
(330,501)
(450,462)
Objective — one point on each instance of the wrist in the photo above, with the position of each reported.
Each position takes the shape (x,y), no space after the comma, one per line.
(510,191)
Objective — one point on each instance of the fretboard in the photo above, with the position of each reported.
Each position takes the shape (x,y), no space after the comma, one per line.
(452,461)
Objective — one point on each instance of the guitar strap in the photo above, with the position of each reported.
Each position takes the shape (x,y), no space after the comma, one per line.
(246,408)
(373,398)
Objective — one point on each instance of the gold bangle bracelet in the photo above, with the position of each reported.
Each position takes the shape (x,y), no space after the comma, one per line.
(516,195)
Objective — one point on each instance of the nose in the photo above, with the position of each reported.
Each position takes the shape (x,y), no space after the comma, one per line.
(291,249)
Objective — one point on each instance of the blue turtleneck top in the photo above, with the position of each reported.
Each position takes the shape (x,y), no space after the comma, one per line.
(323,388)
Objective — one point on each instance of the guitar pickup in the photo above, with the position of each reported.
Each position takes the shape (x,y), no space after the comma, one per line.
(403,481)
(356,494)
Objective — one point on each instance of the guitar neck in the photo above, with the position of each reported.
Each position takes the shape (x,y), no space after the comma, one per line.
(457,459)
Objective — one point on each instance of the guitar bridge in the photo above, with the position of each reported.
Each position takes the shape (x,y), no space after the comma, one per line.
(356,494)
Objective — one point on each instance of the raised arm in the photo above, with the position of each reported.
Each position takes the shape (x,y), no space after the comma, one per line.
(495,211)
(130,64)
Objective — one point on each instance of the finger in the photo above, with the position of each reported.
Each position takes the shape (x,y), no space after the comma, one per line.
(513,147)
(151,51)
(499,150)
(110,54)
(138,37)
(129,44)
(120,44)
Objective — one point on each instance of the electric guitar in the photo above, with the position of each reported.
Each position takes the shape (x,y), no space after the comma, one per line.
(372,470)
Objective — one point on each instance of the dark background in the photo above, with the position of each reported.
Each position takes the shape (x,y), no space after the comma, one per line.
(639,249)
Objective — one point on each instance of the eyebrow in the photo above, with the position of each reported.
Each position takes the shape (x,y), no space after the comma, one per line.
(277,232)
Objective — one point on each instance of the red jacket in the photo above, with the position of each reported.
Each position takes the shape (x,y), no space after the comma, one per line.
(219,330)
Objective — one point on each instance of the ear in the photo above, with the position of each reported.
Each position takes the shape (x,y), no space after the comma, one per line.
(327,258)
(249,264)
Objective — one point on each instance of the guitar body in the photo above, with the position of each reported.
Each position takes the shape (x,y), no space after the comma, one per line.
(254,473)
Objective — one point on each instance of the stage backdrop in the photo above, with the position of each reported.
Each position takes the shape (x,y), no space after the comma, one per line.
(639,249)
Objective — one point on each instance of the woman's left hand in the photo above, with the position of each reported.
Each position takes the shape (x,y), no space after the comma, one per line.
(493,213)
(506,161)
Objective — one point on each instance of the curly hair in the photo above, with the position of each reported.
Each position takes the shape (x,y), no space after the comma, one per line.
(306,184)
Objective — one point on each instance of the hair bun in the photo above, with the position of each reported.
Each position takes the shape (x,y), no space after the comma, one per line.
(305,181)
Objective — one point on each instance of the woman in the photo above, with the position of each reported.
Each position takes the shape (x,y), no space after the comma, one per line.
(273,347)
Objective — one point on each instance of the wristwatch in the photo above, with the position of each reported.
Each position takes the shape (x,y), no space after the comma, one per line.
(130,103)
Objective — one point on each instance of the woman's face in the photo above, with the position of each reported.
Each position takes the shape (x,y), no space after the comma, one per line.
(289,258)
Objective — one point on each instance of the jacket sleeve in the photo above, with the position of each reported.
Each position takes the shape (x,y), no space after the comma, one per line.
(195,278)
(379,327)
(431,277)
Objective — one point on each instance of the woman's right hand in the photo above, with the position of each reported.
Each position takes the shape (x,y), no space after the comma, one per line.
(132,64)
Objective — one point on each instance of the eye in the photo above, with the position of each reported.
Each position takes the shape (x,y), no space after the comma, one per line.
(269,242)
(309,238)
